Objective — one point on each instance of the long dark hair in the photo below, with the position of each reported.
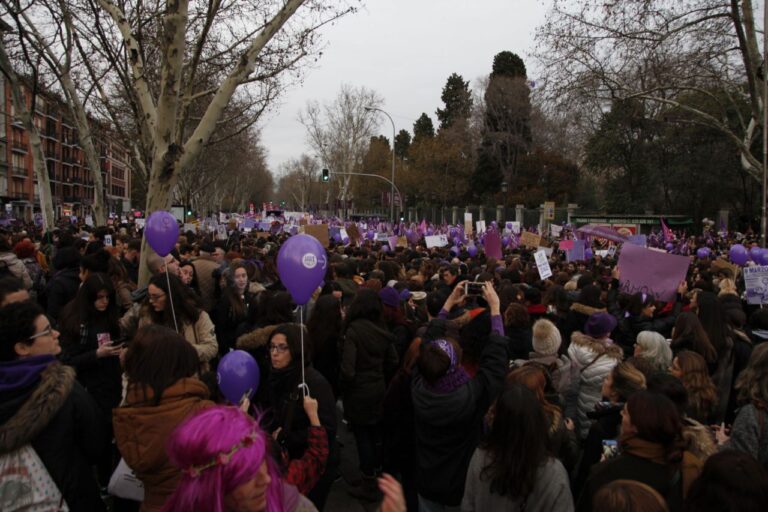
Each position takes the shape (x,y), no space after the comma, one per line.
(325,324)
(688,328)
(81,309)
(517,443)
(157,358)
(274,308)
(713,320)
(237,306)
(366,306)
(184,303)
(657,420)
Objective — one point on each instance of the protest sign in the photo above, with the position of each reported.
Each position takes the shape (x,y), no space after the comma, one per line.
(221,232)
(577,252)
(189,227)
(549,210)
(343,233)
(515,227)
(756,283)
(547,250)
(402,241)
(436,241)
(612,251)
(319,231)
(108,241)
(392,242)
(542,264)
(353,232)
(493,245)
(140,223)
(480,226)
(556,230)
(641,240)
(657,274)
(530,239)
(89,220)
(467,223)
(382,237)
(721,263)
(565,245)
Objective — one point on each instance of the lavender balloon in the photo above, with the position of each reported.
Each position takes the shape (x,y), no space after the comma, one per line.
(161,232)
(588,253)
(301,265)
(472,250)
(702,253)
(755,254)
(738,254)
(238,375)
(764,257)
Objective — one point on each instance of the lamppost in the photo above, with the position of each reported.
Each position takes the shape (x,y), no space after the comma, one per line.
(392,190)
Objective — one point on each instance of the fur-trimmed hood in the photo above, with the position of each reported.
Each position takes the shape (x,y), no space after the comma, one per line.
(38,409)
(582,340)
(256,338)
(586,310)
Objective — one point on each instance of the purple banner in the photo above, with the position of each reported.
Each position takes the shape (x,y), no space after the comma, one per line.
(601,232)
(652,272)
(640,240)
(577,253)
(493,245)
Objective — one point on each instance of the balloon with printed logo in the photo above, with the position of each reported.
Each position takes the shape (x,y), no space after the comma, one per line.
(301,265)
(161,232)
(238,376)
(738,254)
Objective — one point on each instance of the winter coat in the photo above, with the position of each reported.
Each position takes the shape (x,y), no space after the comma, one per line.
(57,417)
(605,425)
(17,268)
(575,320)
(448,425)
(142,431)
(61,289)
(631,326)
(520,342)
(749,433)
(227,322)
(594,362)
(559,368)
(551,491)
(205,266)
(201,334)
(368,358)
(36,275)
(255,343)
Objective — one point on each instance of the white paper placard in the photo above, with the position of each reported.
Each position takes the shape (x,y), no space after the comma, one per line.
(480,226)
(436,241)
(108,240)
(88,220)
(556,230)
(382,237)
(547,250)
(140,222)
(542,263)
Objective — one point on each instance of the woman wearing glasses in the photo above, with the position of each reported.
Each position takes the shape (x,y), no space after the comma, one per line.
(43,406)
(171,304)
(283,400)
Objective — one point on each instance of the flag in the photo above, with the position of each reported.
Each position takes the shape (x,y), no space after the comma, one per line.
(668,235)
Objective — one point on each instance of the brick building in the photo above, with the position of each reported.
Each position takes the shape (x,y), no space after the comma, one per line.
(71,180)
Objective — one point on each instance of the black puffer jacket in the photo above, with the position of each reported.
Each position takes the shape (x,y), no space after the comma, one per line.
(59,419)
(61,289)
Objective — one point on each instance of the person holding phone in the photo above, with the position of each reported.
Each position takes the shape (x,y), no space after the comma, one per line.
(90,335)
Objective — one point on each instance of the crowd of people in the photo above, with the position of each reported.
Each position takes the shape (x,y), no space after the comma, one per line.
(467,382)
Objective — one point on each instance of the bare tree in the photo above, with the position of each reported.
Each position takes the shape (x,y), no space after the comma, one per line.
(660,51)
(297,181)
(340,131)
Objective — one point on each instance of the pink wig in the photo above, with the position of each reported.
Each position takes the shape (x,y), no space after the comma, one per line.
(204,437)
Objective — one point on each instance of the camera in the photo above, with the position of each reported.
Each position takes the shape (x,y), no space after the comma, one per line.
(473,288)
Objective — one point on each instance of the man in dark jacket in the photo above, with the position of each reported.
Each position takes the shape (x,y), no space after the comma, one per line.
(63,286)
(42,405)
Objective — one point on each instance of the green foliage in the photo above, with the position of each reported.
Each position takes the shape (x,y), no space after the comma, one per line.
(488,175)
(402,143)
(508,64)
(423,128)
(457,99)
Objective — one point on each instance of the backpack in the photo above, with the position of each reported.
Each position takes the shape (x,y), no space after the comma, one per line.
(26,485)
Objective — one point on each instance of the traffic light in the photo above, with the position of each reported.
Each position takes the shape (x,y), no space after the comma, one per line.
(326,175)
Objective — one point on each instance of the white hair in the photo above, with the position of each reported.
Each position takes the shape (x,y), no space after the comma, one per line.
(656,349)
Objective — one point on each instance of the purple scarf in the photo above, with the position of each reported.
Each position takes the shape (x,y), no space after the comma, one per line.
(23,373)
(455,377)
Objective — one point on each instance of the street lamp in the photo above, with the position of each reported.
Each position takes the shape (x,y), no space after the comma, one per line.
(392,190)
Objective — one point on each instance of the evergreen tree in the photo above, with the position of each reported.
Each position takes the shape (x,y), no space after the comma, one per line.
(402,143)
(423,128)
(508,64)
(457,99)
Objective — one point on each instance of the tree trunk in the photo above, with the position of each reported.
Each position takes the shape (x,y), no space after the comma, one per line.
(38,159)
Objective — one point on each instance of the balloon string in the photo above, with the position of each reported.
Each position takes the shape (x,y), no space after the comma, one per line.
(303,385)
(170,300)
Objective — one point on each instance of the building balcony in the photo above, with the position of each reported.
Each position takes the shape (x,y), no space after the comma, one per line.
(19,171)
(19,146)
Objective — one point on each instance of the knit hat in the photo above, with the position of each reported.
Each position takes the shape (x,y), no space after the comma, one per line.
(600,325)
(405,294)
(546,338)
(389,296)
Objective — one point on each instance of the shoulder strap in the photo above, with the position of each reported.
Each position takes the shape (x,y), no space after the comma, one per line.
(593,361)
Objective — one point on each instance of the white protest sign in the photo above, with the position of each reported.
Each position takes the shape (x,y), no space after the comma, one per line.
(436,241)
(480,226)
(382,237)
(756,283)
(542,263)
(612,251)
(468,223)
(547,250)
(88,220)
(108,240)
(556,230)
(221,232)
(140,222)
(512,227)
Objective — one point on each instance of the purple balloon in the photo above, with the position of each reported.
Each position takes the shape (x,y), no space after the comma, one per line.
(455,250)
(505,241)
(702,253)
(238,374)
(472,250)
(738,254)
(588,253)
(669,246)
(301,265)
(385,248)
(161,232)
(764,257)
(755,253)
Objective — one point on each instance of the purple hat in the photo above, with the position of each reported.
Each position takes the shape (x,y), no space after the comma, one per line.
(405,294)
(389,296)
(600,325)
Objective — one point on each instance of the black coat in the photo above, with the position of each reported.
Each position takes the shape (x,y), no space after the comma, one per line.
(59,419)
(61,289)
(368,358)
(227,322)
(605,426)
(520,342)
(448,426)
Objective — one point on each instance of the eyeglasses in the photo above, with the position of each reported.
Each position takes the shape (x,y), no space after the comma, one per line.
(155,298)
(45,332)
(280,349)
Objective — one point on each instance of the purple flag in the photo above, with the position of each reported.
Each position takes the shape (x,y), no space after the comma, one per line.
(652,272)
(578,251)
(493,245)
(601,232)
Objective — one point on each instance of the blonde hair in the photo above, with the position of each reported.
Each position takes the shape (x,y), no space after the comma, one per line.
(727,286)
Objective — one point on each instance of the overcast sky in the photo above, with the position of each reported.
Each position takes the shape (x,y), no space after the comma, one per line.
(404,50)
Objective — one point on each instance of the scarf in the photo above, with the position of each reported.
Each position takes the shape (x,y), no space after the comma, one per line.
(690,466)
(455,377)
(23,373)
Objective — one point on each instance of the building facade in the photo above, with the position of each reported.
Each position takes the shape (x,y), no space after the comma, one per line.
(71,180)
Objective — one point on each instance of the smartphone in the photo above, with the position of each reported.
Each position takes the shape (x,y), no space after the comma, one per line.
(610,449)
(473,288)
